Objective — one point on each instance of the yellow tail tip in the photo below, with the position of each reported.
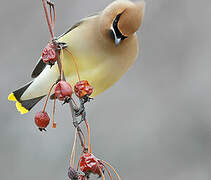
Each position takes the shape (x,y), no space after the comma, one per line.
(19,106)
(11,97)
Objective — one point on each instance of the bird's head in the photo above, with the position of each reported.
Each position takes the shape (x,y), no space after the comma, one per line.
(121,19)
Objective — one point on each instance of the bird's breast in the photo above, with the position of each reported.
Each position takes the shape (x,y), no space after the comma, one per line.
(98,63)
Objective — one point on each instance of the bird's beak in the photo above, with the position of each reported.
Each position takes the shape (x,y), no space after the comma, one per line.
(117,41)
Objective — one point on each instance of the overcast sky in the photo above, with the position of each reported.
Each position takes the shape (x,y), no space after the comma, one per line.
(154,124)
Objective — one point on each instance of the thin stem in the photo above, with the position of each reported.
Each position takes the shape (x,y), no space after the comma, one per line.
(112,169)
(84,139)
(101,172)
(78,163)
(62,63)
(50,9)
(107,170)
(80,137)
(47,18)
(72,157)
(48,97)
(53,18)
(59,65)
(74,103)
(75,62)
(88,130)
(54,108)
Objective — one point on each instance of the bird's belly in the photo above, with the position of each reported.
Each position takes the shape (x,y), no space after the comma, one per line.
(102,66)
(99,71)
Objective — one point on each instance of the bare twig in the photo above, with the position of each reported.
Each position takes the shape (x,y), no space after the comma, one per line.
(47,18)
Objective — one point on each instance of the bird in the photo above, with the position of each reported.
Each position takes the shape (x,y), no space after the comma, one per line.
(105,45)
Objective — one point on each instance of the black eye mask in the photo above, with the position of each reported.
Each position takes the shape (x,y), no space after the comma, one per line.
(119,35)
(115,33)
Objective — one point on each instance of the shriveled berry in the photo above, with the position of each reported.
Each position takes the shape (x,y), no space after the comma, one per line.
(49,55)
(63,90)
(90,164)
(42,120)
(83,88)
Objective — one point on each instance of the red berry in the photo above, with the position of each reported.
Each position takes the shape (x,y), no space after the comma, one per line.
(49,54)
(63,90)
(82,88)
(89,163)
(42,120)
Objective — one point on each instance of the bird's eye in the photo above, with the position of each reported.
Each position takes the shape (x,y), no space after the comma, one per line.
(115,33)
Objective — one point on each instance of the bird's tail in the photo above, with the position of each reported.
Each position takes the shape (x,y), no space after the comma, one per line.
(23,106)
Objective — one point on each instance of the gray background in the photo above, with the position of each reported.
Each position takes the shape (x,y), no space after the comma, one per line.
(154,124)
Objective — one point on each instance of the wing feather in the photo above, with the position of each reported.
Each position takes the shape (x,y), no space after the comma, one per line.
(41,65)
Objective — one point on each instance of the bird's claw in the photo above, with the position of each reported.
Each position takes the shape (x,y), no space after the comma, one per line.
(59,45)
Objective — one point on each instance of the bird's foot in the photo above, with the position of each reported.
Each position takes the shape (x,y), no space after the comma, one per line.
(62,45)
(59,45)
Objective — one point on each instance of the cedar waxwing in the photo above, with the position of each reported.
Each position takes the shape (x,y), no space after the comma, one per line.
(105,46)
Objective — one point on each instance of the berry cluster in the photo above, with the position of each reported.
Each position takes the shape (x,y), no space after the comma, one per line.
(63,92)
(89,164)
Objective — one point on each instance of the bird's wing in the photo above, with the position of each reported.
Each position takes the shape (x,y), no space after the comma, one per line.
(73,27)
(79,23)
(41,65)
(38,68)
